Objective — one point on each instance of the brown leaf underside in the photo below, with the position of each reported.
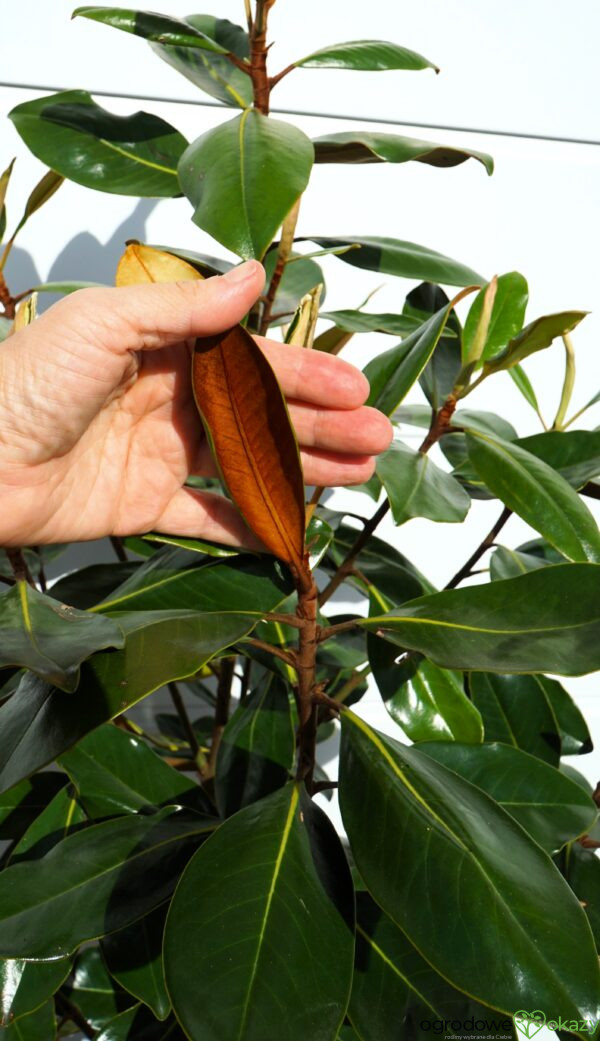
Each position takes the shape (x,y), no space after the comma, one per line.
(247,422)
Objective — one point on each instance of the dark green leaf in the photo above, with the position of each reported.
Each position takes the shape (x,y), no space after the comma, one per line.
(210,71)
(439,375)
(116,772)
(534,337)
(575,454)
(574,733)
(88,586)
(94,882)
(364,146)
(134,958)
(393,373)
(39,722)
(93,992)
(138,1024)
(243,177)
(552,809)
(484,423)
(509,563)
(4,180)
(546,620)
(583,875)
(273,884)
(416,487)
(256,752)
(159,28)
(363,322)
(19,806)
(454,865)
(517,711)
(508,315)
(406,259)
(539,495)
(365,56)
(429,703)
(394,985)
(381,564)
(62,816)
(35,1026)
(126,155)
(49,638)
(523,383)
(25,985)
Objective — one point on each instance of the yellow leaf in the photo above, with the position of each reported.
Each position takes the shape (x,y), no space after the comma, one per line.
(141,263)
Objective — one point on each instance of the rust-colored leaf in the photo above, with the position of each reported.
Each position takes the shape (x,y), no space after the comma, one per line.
(141,263)
(254,445)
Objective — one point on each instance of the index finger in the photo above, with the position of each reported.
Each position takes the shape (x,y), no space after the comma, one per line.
(315,377)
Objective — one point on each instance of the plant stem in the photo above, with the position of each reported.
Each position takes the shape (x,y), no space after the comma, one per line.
(66,1008)
(258,57)
(19,566)
(184,718)
(283,251)
(439,425)
(117,545)
(485,544)
(261,645)
(245,680)
(352,683)
(305,666)
(333,630)
(221,712)
(6,299)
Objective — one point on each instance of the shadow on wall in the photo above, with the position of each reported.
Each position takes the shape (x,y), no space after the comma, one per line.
(84,258)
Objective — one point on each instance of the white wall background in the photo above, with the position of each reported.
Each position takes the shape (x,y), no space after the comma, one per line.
(520,67)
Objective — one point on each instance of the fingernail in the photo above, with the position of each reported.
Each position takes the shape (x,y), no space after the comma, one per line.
(242,273)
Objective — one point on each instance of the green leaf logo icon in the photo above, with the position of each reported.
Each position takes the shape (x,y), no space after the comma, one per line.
(529,1023)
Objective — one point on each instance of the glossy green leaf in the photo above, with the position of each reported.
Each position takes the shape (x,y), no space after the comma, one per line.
(116,772)
(243,177)
(507,317)
(575,738)
(517,710)
(39,720)
(534,337)
(273,884)
(523,383)
(583,875)
(429,703)
(454,865)
(365,146)
(256,753)
(125,155)
(299,278)
(393,984)
(174,579)
(62,816)
(22,804)
(95,881)
(25,985)
(86,587)
(439,375)
(365,56)
(547,620)
(381,564)
(138,1024)
(406,259)
(416,487)
(35,1026)
(393,373)
(159,28)
(538,494)
(363,322)
(552,809)
(49,638)
(575,454)
(209,70)
(90,989)
(133,956)
(509,563)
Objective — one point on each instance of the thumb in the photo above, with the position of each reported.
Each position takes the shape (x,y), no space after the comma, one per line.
(153,315)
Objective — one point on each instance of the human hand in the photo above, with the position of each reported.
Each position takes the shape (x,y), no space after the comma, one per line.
(99,430)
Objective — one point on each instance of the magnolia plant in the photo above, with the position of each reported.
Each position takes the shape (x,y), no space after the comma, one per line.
(180,879)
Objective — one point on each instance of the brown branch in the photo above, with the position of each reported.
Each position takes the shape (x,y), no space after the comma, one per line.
(6,299)
(306,669)
(117,545)
(239,63)
(258,57)
(288,657)
(67,1009)
(332,630)
(440,423)
(484,545)
(285,619)
(274,80)
(283,252)
(184,719)
(19,565)
(221,712)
